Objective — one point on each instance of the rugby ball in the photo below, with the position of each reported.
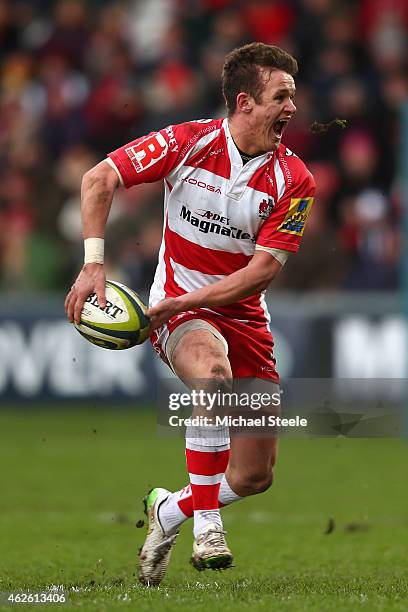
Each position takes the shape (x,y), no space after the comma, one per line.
(121,324)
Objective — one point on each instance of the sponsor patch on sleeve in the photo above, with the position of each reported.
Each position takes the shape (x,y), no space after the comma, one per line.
(147,152)
(294,222)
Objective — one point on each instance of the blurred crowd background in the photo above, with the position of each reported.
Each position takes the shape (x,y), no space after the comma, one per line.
(80,78)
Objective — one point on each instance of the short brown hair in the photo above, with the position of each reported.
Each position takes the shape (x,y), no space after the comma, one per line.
(241,70)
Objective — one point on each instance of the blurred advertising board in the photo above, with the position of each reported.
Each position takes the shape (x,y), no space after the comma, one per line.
(42,358)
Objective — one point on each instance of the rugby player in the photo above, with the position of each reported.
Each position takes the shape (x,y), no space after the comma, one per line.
(235,205)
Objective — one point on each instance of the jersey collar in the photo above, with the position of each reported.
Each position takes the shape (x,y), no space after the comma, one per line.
(234,153)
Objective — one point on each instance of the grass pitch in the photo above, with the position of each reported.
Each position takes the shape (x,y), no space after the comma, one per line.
(71,484)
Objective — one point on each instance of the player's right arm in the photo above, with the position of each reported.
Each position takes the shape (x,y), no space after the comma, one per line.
(98,186)
(144,160)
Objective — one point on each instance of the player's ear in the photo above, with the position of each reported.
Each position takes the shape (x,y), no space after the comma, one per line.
(245,102)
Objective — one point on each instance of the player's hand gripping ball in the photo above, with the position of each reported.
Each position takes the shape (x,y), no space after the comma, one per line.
(121,324)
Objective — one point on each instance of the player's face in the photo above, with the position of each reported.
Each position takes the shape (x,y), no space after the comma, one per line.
(270,117)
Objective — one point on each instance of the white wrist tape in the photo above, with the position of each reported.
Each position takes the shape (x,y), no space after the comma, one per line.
(94,250)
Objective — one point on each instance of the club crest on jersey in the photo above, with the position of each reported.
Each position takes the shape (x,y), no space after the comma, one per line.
(295,220)
(266,207)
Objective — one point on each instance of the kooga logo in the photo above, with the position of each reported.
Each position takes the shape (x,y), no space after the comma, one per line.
(201,184)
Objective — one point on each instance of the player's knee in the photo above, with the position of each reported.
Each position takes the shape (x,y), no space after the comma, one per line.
(216,376)
(218,371)
(216,366)
(255,481)
(260,482)
(201,356)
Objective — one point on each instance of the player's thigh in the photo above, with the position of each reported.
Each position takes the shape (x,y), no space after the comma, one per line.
(200,354)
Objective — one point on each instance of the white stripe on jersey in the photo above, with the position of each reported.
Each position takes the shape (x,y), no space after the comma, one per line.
(281,256)
(280,179)
(157,292)
(113,165)
(263,305)
(200,144)
(199,201)
(192,279)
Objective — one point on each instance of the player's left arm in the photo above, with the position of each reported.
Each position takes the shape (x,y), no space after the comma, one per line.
(281,233)
(255,277)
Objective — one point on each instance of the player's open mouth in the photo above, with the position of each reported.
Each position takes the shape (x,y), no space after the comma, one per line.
(279,127)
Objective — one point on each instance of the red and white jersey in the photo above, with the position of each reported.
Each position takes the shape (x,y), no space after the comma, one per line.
(217,211)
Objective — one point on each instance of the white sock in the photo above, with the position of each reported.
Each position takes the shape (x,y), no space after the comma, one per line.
(203,518)
(210,438)
(171,516)
(170,513)
(226,495)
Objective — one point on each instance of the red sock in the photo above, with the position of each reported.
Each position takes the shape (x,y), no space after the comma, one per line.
(206,470)
(185,502)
